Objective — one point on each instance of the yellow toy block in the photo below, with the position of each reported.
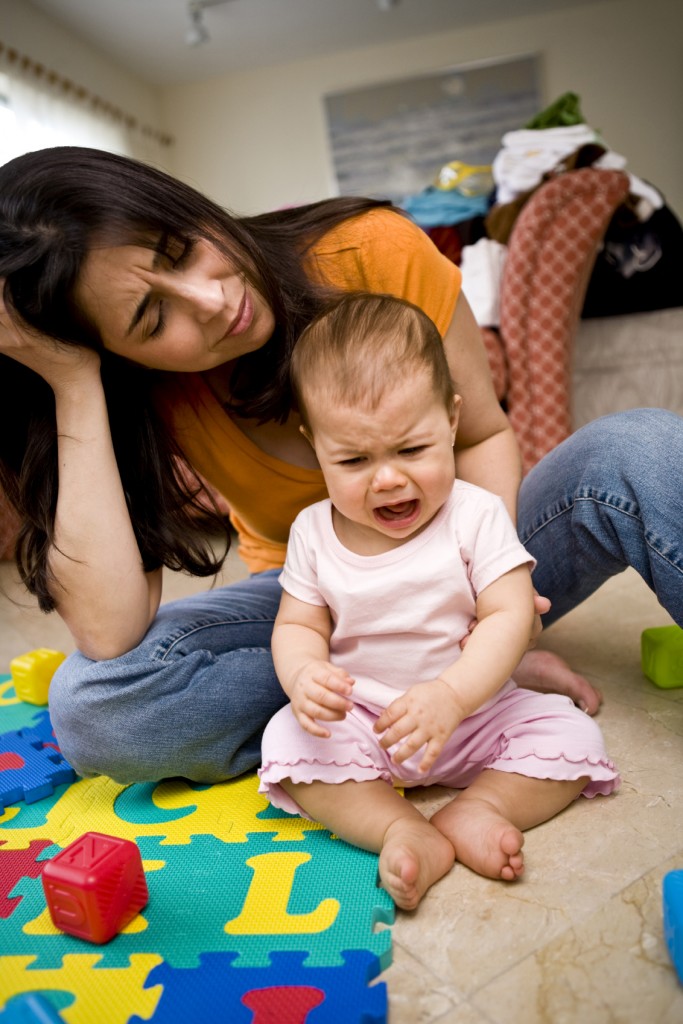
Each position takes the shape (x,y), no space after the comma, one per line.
(32,674)
(661,655)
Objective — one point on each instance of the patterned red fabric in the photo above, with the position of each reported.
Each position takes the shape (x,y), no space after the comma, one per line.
(550,256)
(497,361)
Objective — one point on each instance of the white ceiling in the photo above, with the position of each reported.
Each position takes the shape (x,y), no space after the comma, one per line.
(147,37)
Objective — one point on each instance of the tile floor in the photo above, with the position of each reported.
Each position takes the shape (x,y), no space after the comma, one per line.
(580,938)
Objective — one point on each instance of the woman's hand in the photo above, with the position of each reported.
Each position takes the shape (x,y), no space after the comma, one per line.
(320,691)
(59,364)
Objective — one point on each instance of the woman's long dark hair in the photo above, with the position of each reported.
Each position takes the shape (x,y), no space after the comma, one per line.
(55,205)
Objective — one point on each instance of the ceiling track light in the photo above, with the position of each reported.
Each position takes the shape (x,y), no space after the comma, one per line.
(197,32)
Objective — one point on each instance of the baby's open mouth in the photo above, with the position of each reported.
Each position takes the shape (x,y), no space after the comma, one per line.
(403,513)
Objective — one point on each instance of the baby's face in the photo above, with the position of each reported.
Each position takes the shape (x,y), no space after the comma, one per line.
(388,470)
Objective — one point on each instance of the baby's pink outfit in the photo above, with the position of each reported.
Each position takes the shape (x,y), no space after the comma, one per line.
(398,619)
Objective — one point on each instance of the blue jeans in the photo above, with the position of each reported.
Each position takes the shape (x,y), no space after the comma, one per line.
(193,699)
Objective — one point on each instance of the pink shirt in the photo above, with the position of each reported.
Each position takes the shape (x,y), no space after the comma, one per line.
(398,617)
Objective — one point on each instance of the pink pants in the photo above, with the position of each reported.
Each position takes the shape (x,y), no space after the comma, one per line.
(543,736)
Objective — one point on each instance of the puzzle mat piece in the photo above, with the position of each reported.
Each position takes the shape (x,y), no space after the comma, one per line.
(15,865)
(132,805)
(28,818)
(15,713)
(101,994)
(319,897)
(28,769)
(42,727)
(227,810)
(286,992)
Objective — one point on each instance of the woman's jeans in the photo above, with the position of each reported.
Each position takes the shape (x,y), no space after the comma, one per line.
(193,699)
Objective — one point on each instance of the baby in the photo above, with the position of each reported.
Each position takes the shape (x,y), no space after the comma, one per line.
(373,643)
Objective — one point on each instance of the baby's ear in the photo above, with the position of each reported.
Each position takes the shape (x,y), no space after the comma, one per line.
(455,414)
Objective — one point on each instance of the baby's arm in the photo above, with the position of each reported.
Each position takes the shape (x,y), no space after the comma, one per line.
(429,712)
(301,648)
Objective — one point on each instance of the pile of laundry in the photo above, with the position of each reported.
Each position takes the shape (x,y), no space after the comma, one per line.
(470,212)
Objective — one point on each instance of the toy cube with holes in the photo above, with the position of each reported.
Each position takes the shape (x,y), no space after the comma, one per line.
(95,886)
(32,674)
(661,652)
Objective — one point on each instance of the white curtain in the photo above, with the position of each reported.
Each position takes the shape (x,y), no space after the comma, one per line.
(35,115)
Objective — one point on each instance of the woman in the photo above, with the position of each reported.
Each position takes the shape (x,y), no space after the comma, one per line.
(143,323)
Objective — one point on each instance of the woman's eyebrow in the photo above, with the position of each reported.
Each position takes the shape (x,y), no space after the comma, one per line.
(159,251)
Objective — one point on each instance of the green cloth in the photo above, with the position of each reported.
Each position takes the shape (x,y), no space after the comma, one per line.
(564,111)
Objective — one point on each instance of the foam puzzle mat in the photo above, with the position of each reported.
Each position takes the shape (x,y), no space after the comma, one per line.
(254,916)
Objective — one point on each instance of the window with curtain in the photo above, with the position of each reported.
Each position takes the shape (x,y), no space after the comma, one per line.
(31,118)
(38,109)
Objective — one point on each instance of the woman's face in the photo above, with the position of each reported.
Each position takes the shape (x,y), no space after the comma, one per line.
(180,307)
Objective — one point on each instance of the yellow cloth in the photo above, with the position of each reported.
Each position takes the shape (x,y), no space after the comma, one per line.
(379,251)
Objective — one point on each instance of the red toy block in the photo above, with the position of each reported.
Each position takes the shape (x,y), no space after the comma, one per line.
(95,886)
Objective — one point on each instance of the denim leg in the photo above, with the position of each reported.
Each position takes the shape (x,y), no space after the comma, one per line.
(609,497)
(192,700)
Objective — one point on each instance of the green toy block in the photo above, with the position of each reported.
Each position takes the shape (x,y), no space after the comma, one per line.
(32,674)
(661,655)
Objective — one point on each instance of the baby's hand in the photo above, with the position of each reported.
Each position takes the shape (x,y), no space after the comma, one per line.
(320,691)
(426,713)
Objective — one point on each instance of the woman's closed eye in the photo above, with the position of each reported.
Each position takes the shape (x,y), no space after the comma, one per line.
(177,252)
(158,328)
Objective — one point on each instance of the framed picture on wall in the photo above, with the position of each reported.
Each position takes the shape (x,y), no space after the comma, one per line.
(390,140)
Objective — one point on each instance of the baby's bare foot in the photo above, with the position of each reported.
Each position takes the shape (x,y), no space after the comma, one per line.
(546,672)
(482,838)
(413,857)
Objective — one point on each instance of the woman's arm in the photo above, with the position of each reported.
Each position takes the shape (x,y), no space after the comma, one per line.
(487,453)
(100,588)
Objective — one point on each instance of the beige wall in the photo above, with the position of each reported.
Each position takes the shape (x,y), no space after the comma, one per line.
(257,140)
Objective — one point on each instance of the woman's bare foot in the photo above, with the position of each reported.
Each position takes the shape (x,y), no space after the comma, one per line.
(414,856)
(548,673)
(482,838)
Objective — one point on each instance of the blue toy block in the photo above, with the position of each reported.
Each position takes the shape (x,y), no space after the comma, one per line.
(672,896)
(29,770)
(30,1008)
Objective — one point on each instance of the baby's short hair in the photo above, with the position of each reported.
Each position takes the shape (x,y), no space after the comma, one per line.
(362,346)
